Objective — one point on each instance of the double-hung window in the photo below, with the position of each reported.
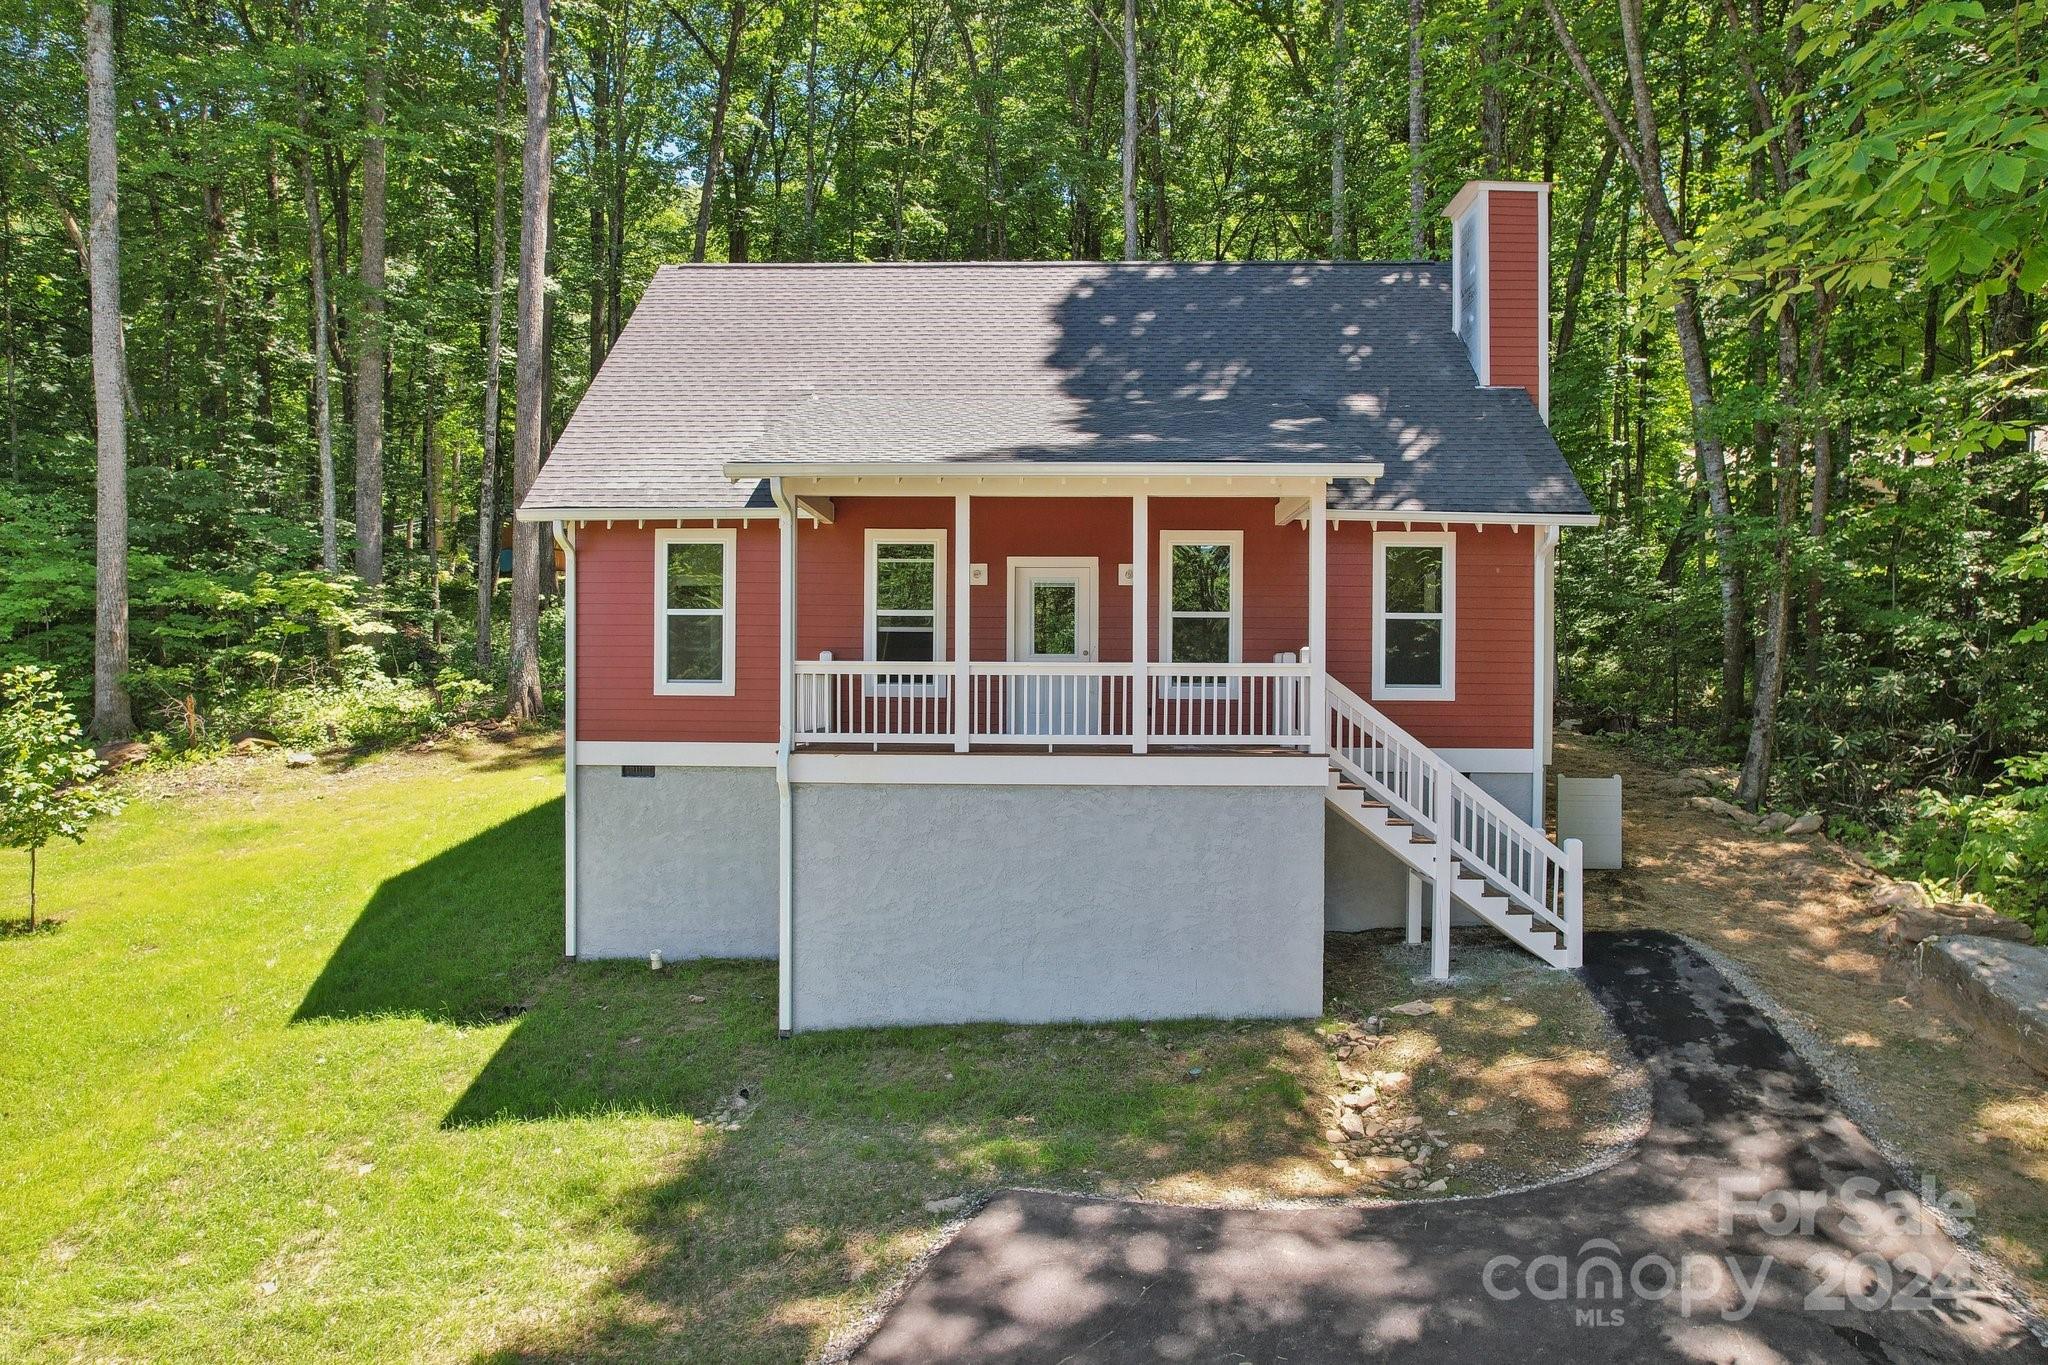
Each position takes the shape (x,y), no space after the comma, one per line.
(906,607)
(694,609)
(1201,603)
(1414,626)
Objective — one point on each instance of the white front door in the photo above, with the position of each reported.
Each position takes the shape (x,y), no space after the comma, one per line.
(1052,621)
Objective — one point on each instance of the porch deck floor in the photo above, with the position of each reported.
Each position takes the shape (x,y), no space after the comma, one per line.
(1054,750)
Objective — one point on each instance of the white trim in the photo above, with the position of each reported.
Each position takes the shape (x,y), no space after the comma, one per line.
(1543,301)
(1087,605)
(1470,189)
(785,745)
(1141,619)
(1470,761)
(1057,469)
(1431,518)
(1318,621)
(1545,680)
(963,630)
(728,611)
(1064,770)
(1484,369)
(606,753)
(1167,541)
(1447,689)
(569,750)
(941,628)
(663,514)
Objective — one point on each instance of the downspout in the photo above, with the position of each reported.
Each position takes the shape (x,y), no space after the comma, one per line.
(567,544)
(1545,666)
(785,903)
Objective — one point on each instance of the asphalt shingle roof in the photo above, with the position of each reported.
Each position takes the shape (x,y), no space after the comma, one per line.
(966,364)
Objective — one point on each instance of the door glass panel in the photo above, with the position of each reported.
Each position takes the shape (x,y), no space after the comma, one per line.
(1053,617)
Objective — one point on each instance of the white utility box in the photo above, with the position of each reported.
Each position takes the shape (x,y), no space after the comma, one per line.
(1589,810)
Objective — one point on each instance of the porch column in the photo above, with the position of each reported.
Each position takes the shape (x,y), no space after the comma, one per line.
(1318,610)
(1141,635)
(963,555)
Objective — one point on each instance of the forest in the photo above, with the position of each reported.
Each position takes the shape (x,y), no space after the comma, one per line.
(293,294)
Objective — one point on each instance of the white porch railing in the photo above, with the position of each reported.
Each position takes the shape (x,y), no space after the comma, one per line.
(1229,703)
(851,701)
(1419,785)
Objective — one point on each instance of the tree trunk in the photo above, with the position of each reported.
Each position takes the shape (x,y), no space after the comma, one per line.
(1582,249)
(370,329)
(1337,59)
(316,261)
(430,462)
(714,152)
(112,715)
(494,349)
(811,138)
(32,890)
(529,420)
(1418,241)
(1130,150)
(1754,783)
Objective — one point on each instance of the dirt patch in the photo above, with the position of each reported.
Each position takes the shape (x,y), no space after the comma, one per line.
(1796,914)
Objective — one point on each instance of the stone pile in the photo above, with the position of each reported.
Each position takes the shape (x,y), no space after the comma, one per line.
(1372,1142)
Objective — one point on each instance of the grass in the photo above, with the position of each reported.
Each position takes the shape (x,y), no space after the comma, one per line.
(301,1074)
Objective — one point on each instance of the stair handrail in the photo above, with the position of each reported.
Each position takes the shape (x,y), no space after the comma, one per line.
(1513,855)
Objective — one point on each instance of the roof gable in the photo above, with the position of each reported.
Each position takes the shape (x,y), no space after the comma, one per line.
(965,364)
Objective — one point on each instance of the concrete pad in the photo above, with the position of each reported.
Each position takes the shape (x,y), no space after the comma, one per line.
(2001,986)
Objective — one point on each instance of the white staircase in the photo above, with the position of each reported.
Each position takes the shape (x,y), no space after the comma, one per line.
(1471,849)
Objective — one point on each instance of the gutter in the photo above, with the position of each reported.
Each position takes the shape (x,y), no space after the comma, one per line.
(738,470)
(567,543)
(785,901)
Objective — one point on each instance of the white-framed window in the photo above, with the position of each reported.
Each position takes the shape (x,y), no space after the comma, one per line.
(1201,598)
(1414,617)
(694,608)
(906,606)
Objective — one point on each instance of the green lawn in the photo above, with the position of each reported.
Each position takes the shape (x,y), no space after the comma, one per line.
(301,1075)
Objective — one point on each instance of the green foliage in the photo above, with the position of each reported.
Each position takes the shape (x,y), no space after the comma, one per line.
(46,771)
(1992,845)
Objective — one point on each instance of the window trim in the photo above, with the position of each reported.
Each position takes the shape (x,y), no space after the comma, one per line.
(878,536)
(1168,540)
(1447,689)
(727,539)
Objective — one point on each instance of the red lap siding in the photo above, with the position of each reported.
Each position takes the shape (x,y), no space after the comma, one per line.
(615,698)
(1517,340)
(615,608)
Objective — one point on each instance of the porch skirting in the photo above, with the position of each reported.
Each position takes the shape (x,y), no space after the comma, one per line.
(950,904)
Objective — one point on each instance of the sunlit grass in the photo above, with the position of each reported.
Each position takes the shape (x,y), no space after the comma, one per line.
(302,1075)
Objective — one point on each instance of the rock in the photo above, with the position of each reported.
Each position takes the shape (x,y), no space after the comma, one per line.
(1898,896)
(1353,1126)
(950,1204)
(1365,1097)
(118,755)
(1680,784)
(1963,909)
(1373,1025)
(1813,822)
(696,999)
(1333,1136)
(1391,1082)
(1776,822)
(1727,810)
(1437,1186)
(1415,1008)
(298,758)
(1915,926)
(1404,1126)
(1384,1167)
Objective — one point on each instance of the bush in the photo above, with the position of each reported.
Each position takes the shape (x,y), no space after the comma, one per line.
(367,711)
(1993,846)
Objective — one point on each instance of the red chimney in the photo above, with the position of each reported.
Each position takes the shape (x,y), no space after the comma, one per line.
(1500,283)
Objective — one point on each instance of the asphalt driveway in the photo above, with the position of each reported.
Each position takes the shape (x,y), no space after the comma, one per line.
(1754,1222)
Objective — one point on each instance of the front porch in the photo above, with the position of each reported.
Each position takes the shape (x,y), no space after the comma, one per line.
(1103,617)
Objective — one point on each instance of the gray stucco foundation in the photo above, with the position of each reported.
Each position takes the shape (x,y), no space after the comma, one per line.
(1034,904)
(682,863)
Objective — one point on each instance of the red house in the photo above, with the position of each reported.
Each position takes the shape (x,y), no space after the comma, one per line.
(1067,641)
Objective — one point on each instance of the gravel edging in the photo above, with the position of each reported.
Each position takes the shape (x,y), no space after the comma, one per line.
(1855,1100)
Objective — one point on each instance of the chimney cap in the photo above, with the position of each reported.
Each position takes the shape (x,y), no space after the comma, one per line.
(1470,192)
